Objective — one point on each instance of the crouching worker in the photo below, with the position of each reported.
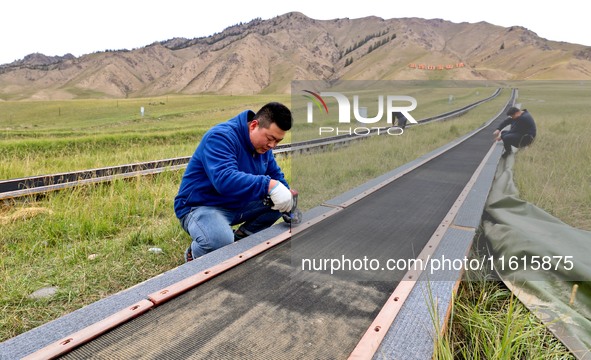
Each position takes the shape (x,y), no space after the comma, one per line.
(229,175)
(521,133)
(401,119)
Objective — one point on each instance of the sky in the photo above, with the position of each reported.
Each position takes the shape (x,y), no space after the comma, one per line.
(58,27)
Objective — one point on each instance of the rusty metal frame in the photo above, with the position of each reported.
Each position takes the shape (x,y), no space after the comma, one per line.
(85,335)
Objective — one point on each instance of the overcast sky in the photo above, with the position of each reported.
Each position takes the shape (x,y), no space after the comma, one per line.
(57,27)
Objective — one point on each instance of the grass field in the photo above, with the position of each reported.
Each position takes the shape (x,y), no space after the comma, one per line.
(39,137)
(93,241)
(52,137)
(556,174)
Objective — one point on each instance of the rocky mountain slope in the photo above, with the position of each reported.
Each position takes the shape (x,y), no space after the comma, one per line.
(266,55)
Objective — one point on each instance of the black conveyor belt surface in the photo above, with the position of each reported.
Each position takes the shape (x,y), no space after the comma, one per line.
(259,310)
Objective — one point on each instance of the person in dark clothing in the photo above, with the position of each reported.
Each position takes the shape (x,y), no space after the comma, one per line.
(521,133)
(228,177)
(401,119)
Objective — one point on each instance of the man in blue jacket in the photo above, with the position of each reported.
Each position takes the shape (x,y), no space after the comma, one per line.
(229,175)
(521,133)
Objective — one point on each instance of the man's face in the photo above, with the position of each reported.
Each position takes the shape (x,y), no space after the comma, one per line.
(263,139)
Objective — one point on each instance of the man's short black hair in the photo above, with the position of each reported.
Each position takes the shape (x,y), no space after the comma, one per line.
(512,111)
(274,112)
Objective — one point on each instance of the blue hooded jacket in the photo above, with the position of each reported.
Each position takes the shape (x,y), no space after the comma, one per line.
(225,170)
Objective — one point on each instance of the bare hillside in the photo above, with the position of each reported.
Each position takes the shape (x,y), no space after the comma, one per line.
(266,55)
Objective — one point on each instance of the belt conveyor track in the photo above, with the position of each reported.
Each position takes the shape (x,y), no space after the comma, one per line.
(262,310)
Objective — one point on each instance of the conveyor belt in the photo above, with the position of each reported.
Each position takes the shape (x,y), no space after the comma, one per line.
(260,310)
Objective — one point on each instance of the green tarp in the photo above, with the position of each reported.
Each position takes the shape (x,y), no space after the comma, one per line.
(541,259)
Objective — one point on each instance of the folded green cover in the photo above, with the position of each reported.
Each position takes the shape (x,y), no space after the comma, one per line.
(541,259)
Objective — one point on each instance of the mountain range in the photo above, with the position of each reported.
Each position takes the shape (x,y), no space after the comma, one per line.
(264,56)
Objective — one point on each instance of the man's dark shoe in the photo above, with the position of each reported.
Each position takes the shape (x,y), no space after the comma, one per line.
(506,153)
(239,235)
(188,254)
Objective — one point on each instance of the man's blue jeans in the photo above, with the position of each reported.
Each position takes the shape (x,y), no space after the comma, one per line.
(210,226)
(513,139)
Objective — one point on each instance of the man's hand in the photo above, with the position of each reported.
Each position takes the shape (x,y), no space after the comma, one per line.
(281,197)
(497,135)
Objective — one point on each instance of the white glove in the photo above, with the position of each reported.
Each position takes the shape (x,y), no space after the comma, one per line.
(281,197)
